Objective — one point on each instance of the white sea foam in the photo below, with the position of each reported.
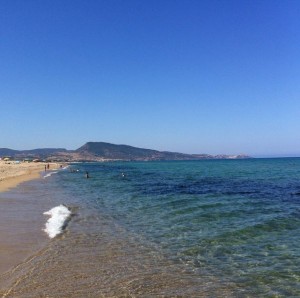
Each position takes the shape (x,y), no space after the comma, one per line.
(59,216)
(49,174)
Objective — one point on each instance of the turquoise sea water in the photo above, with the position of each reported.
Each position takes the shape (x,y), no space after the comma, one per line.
(227,224)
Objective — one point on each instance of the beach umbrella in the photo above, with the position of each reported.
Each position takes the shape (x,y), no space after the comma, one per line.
(6,158)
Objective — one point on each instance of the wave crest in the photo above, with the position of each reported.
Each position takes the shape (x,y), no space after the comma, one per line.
(59,217)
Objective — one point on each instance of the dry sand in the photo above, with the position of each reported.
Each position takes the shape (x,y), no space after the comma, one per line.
(11,173)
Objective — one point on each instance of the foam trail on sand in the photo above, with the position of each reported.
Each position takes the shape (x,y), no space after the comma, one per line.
(59,216)
(49,174)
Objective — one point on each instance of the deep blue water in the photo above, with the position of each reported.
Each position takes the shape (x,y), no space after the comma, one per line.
(236,220)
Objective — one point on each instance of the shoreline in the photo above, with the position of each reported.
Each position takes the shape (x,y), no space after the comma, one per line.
(21,221)
(12,174)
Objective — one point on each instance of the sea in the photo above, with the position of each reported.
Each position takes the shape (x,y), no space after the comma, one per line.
(207,228)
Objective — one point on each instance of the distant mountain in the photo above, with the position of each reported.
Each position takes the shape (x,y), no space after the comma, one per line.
(101,151)
(34,153)
(7,152)
(124,152)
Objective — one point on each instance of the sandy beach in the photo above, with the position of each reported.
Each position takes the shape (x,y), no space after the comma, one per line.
(11,173)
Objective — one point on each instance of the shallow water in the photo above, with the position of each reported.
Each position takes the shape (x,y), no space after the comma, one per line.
(225,228)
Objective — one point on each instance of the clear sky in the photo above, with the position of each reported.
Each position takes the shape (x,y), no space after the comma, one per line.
(188,76)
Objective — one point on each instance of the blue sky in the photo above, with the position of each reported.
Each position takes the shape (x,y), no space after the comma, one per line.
(188,76)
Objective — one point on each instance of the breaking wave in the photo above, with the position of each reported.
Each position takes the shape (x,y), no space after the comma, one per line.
(59,217)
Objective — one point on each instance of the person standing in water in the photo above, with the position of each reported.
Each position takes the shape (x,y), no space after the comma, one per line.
(87,175)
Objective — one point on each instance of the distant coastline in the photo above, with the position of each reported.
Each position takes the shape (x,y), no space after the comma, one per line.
(101,151)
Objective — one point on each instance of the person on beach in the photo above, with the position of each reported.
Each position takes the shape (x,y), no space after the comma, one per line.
(48,166)
(45,168)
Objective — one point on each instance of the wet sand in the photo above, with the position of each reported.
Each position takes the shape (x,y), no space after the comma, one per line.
(21,226)
(20,214)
